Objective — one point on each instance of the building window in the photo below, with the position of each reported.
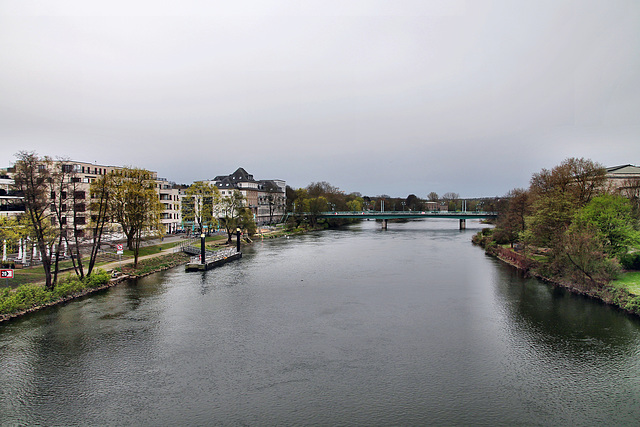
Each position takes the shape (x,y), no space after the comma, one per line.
(79,195)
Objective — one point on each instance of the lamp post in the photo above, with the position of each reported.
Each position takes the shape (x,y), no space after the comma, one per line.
(202,251)
(238,239)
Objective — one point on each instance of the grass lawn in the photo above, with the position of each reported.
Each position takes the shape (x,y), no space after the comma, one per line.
(630,281)
(36,274)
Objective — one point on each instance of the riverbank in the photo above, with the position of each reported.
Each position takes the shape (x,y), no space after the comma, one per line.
(31,297)
(616,296)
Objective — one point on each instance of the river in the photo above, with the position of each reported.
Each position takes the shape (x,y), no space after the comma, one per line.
(360,326)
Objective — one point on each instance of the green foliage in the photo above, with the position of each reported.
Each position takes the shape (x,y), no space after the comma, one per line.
(610,216)
(98,278)
(198,205)
(68,286)
(31,295)
(630,261)
(354,205)
(552,214)
(581,256)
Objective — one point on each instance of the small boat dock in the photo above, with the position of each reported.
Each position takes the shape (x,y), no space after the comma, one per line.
(213,260)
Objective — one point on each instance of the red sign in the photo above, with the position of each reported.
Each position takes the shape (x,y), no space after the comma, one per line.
(6,274)
(120,249)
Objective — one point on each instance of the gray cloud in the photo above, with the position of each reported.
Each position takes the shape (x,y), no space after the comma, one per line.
(373,96)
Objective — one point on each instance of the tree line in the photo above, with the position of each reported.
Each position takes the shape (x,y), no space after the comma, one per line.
(204,206)
(573,222)
(60,215)
(305,203)
(64,214)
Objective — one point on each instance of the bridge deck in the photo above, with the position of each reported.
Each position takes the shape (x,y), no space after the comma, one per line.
(407,214)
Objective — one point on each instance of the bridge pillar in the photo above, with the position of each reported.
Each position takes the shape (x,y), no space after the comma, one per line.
(463,224)
(384,224)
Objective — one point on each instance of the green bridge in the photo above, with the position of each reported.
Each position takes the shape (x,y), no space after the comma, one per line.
(462,216)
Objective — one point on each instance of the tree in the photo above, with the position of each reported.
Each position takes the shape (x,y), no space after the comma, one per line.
(68,205)
(413,203)
(32,177)
(99,192)
(578,179)
(609,217)
(134,204)
(229,211)
(451,199)
(551,215)
(631,190)
(512,219)
(199,203)
(433,197)
(583,259)
(355,204)
(317,205)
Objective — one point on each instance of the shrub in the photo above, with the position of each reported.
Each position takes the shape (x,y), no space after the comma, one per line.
(24,297)
(97,278)
(630,261)
(69,286)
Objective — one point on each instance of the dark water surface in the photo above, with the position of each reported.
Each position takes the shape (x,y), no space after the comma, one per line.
(409,326)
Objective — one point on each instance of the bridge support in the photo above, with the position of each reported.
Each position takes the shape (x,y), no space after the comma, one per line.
(384,224)
(463,224)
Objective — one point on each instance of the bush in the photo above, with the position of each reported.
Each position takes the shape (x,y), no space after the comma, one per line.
(68,286)
(24,297)
(27,296)
(98,278)
(630,261)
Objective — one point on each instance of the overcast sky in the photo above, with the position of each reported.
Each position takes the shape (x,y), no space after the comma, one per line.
(381,97)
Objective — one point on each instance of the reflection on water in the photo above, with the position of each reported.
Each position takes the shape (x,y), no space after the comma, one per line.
(360,326)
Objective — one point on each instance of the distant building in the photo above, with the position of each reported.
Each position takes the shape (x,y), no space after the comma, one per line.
(623,178)
(266,198)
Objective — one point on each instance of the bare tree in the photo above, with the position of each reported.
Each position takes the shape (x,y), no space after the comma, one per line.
(32,178)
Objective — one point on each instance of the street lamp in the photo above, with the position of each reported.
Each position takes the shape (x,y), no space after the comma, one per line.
(202,250)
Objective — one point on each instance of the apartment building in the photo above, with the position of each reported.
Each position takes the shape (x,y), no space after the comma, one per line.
(80,175)
(11,203)
(171,198)
(266,198)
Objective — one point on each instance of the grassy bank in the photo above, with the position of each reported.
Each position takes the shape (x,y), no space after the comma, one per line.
(624,292)
(29,294)
(33,296)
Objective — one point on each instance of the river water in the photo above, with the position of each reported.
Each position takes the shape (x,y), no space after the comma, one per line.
(360,326)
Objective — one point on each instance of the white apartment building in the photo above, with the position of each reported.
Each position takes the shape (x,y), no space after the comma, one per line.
(82,174)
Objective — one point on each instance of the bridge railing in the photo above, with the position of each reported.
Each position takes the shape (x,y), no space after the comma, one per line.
(407,213)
